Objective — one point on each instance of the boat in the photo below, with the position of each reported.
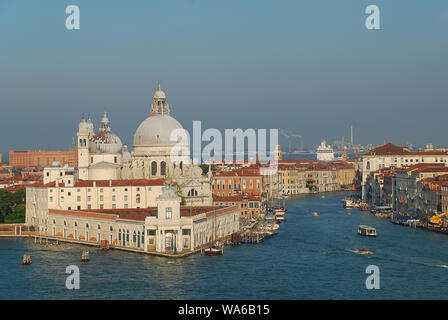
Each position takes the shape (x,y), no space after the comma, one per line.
(279,216)
(364,251)
(27,259)
(350,203)
(275,227)
(315,214)
(366,231)
(85,256)
(213,250)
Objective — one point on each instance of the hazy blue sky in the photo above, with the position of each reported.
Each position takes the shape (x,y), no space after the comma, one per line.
(306,66)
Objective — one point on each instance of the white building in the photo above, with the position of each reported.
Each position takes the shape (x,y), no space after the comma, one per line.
(390,155)
(167,227)
(324,152)
(158,151)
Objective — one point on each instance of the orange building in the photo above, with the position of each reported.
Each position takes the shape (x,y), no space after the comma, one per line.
(249,206)
(244,181)
(38,158)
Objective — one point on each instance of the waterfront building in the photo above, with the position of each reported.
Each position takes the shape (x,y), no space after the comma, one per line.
(293,179)
(390,155)
(242,181)
(86,195)
(166,227)
(324,152)
(250,206)
(416,190)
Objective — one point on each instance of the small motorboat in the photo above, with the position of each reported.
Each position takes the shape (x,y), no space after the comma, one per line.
(315,214)
(214,250)
(27,259)
(364,251)
(85,256)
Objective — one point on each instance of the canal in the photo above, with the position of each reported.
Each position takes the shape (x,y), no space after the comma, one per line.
(311,258)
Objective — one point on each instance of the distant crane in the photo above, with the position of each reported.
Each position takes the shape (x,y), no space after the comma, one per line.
(289,135)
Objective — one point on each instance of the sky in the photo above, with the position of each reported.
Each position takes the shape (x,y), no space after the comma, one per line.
(310,67)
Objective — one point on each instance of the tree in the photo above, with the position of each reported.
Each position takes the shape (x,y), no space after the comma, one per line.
(19,196)
(5,204)
(204,168)
(18,215)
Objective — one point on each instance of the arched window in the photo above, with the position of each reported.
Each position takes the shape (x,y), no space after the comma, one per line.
(127,236)
(153,168)
(134,238)
(368,165)
(163,168)
(137,198)
(192,193)
(180,165)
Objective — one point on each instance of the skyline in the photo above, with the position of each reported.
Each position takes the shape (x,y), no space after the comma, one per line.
(309,67)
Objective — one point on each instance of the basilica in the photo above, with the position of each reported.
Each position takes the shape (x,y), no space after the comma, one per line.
(155,154)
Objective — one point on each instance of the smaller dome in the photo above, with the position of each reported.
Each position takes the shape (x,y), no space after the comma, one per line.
(105,142)
(159,94)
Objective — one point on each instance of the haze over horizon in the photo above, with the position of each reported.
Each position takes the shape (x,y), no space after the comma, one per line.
(310,67)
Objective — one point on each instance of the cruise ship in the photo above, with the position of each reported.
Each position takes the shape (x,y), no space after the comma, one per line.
(324,152)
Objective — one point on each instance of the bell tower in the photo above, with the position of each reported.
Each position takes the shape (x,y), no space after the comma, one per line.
(84,132)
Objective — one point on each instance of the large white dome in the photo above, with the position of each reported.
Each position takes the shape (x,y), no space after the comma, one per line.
(156,130)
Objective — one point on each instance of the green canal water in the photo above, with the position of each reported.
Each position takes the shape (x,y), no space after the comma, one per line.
(310,258)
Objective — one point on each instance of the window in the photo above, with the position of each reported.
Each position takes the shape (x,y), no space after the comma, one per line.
(192,193)
(137,198)
(163,168)
(89,198)
(153,168)
(78,198)
(115,159)
(101,198)
(113,198)
(125,198)
(169,213)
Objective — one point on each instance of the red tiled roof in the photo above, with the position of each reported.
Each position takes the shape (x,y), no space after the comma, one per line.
(390,149)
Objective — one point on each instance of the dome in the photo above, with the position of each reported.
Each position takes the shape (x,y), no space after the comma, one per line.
(159,94)
(156,130)
(106,142)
